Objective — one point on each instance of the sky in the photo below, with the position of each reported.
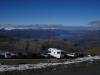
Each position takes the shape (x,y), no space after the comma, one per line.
(66,12)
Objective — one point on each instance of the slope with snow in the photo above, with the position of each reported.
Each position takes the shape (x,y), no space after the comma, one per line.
(45,65)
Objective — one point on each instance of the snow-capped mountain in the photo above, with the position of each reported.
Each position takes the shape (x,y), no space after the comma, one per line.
(11,27)
(37,26)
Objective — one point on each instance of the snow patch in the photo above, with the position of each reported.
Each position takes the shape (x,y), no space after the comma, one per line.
(44,65)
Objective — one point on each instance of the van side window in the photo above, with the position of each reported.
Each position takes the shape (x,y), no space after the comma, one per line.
(58,52)
(62,52)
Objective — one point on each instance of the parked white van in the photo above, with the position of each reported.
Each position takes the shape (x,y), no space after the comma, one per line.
(57,53)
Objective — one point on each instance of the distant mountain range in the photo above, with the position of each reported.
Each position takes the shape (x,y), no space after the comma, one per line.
(37,26)
(58,31)
(91,25)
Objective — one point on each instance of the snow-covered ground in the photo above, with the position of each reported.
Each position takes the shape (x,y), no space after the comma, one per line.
(44,65)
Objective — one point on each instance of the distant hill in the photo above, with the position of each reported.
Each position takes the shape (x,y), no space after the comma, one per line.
(95,23)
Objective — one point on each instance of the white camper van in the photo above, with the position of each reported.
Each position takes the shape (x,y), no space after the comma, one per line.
(57,53)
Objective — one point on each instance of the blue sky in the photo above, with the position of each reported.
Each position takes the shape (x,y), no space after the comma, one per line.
(66,12)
